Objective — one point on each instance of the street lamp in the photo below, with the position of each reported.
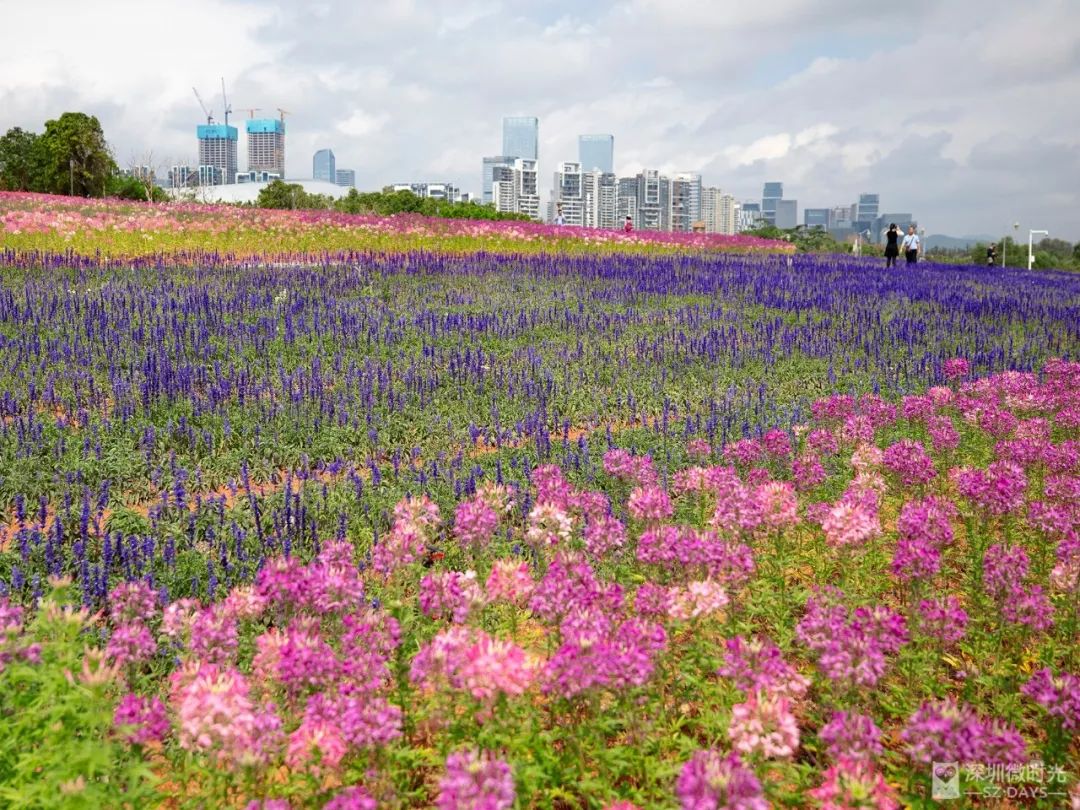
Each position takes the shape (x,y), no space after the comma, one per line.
(1031,252)
(1016,229)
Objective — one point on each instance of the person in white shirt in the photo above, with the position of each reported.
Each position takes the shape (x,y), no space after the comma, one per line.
(910,245)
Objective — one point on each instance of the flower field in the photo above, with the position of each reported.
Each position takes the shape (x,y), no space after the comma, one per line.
(309,512)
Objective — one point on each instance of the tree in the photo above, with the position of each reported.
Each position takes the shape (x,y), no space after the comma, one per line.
(18,161)
(74,157)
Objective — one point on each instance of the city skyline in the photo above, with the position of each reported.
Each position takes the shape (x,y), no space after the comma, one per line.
(975,129)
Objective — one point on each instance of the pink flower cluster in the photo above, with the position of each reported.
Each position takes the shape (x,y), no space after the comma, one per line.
(851,649)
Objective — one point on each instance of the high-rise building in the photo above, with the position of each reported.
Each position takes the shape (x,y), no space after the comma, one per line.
(816,218)
(515,188)
(718,212)
(787,214)
(345,177)
(841,221)
(487,174)
(727,215)
(596,152)
(749,216)
(653,201)
(599,191)
(431,191)
(867,207)
(568,194)
(771,194)
(626,200)
(217,154)
(266,145)
(521,137)
(324,166)
(685,205)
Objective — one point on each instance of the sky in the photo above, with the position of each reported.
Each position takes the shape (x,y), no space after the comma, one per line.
(965,113)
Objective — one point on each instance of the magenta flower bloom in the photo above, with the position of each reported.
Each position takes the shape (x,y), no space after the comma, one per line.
(943,434)
(1004,570)
(132,602)
(850,522)
(476,781)
(650,504)
(943,619)
(744,452)
(352,798)
(1059,695)
(777,443)
(214,635)
(852,737)
(808,473)
(603,535)
(712,781)
(130,643)
(998,490)
(943,731)
(823,442)
(450,595)
(757,664)
(141,720)
(956,368)
(909,461)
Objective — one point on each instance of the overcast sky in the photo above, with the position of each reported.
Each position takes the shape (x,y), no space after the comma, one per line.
(964,112)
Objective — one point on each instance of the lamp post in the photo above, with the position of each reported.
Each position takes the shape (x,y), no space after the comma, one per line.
(1031,251)
(1016,229)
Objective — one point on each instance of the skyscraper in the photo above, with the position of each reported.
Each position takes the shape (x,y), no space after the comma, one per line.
(324,166)
(867,207)
(217,154)
(599,192)
(771,194)
(568,194)
(816,218)
(521,137)
(514,188)
(787,214)
(266,145)
(487,174)
(596,152)
(345,177)
(685,200)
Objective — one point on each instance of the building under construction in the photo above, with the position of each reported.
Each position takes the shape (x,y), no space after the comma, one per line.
(217,154)
(266,145)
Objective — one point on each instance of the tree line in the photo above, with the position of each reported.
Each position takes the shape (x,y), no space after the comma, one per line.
(71,156)
(279,194)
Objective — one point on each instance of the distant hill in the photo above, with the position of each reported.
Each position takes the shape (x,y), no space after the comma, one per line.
(938,240)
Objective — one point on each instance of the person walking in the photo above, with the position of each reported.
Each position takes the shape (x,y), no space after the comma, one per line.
(628,226)
(910,245)
(892,245)
(991,255)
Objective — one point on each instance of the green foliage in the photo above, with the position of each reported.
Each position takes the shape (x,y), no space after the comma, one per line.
(74,156)
(57,749)
(19,169)
(131,188)
(806,240)
(1049,254)
(387,203)
(279,194)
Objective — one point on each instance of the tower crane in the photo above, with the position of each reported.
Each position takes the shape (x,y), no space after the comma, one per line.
(250,110)
(205,109)
(225,101)
(283,114)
